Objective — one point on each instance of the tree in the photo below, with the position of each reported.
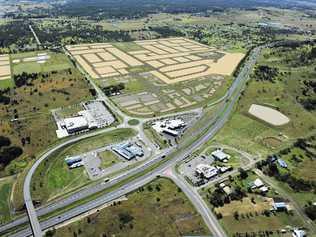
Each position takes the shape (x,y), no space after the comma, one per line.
(242,173)
(236,215)
(4,141)
(311,212)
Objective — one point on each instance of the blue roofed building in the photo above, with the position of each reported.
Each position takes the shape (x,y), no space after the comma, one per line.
(279,206)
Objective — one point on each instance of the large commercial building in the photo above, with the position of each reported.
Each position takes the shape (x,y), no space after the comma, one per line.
(169,126)
(206,171)
(128,150)
(94,115)
(75,124)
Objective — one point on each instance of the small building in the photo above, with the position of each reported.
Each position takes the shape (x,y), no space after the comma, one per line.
(76,165)
(264,189)
(298,233)
(279,206)
(257,184)
(206,171)
(220,155)
(71,160)
(282,163)
(169,126)
(74,162)
(227,190)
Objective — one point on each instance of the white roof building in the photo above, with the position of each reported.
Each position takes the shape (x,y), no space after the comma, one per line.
(168,125)
(220,155)
(175,123)
(257,183)
(75,124)
(206,170)
(92,123)
(298,233)
(264,189)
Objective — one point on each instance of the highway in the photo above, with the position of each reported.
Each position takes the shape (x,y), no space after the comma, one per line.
(181,152)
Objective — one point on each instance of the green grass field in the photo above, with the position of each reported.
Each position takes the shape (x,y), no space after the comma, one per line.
(56,62)
(5,192)
(157,209)
(260,223)
(8,83)
(108,159)
(53,178)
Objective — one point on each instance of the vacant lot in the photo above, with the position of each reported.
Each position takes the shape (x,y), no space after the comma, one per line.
(39,61)
(5,192)
(174,59)
(108,158)
(158,209)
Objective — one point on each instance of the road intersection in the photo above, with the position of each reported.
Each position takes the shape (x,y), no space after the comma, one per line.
(176,153)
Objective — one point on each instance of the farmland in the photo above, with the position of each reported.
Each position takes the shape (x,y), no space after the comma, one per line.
(157,209)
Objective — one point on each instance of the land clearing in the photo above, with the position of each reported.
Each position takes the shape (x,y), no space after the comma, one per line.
(268,115)
(173,59)
(5,71)
(160,76)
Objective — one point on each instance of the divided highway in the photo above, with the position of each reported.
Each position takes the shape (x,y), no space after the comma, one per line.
(178,153)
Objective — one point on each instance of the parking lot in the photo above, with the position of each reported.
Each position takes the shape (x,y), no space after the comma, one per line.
(188,168)
(92,160)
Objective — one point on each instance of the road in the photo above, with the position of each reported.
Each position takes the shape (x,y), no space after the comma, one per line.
(216,124)
(35,36)
(197,201)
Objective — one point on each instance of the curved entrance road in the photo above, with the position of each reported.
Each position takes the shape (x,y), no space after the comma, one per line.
(221,119)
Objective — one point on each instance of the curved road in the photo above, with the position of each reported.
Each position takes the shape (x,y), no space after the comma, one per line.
(221,119)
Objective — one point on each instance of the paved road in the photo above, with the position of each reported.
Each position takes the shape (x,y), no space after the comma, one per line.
(217,123)
(198,202)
